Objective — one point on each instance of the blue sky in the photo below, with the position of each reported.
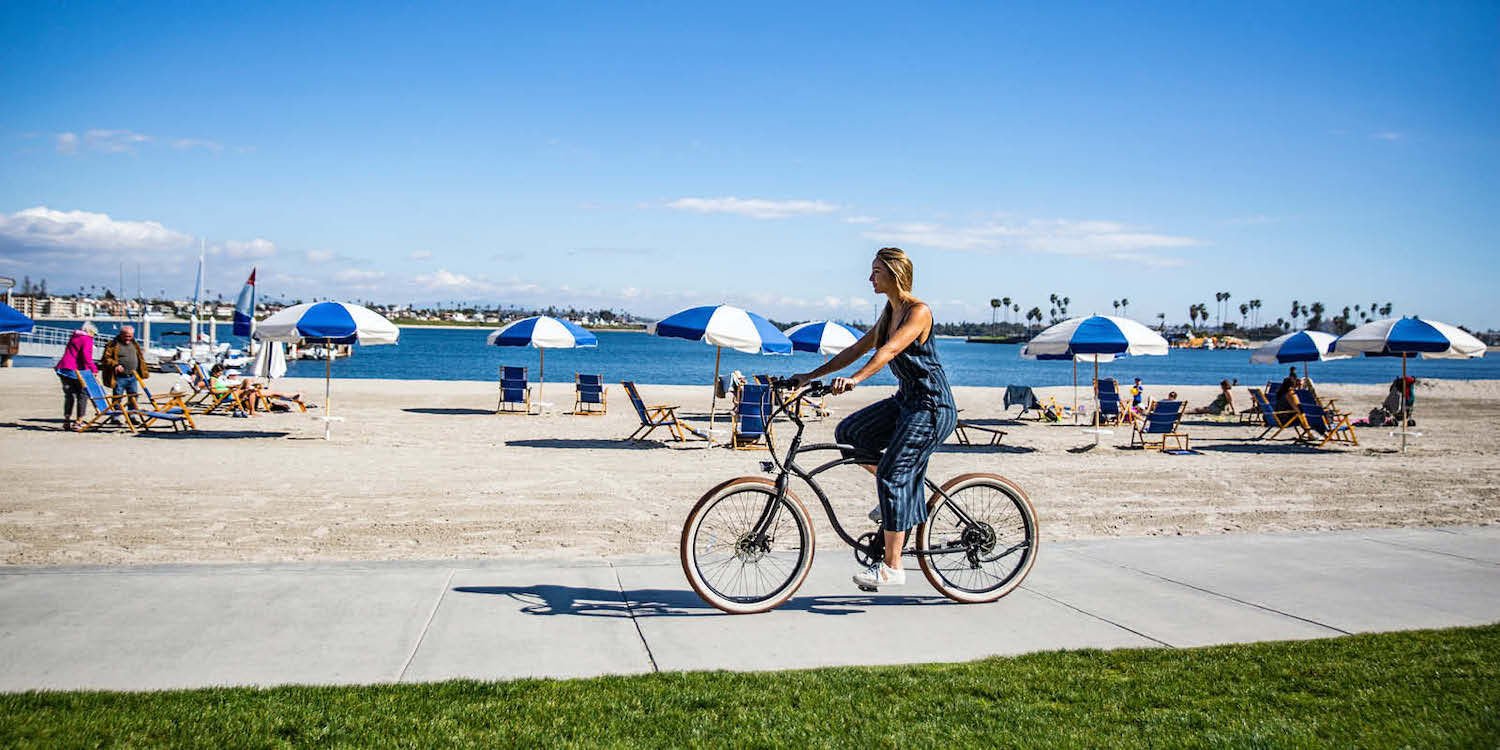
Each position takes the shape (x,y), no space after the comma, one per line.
(656,156)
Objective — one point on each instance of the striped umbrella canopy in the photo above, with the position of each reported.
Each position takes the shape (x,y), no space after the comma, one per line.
(1409,337)
(12,321)
(823,337)
(1083,338)
(543,332)
(1301,346)
(723,326)
(328,323)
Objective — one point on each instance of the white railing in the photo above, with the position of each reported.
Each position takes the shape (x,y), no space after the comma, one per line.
(50,341)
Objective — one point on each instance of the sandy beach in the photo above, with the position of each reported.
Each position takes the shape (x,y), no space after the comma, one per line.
(426,470)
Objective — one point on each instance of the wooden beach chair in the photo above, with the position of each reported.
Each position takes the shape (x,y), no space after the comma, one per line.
(961,432)
(658,415)
(751,417)
(1160,424)
(590,394)
(1318,425)
(1275,420)
(171,409)
(514,391)
(1107,394)
(1254,414)
(106,406)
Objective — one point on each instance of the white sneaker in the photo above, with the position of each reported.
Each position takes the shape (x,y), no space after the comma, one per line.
(875,514)
(878,575)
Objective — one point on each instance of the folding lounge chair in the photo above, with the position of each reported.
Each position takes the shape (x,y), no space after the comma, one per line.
(816,409)
(659,415)
(514,391)
(961,432)
(1254,414)
(1023,396)
(1160,425)
(1317,424)
(590,397)
(1107,393)
(169,408)
(194,377)
(1274,420)
(107,406)
(752,417)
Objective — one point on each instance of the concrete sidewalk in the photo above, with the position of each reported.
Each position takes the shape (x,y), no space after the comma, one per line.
(193,626)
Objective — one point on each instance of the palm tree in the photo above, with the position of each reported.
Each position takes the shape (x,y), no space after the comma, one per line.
(1255,305)
(1219,307)
(1385,309)
(1125,306)
(1316,320)
(1244,311)
(1116,303)
(1064,306)
(1005,305)
(994,308)
(1161,321)
(1296,306)
(1034,313)
(1016,308)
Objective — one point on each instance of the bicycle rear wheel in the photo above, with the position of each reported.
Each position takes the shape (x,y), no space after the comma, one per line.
(732,567)
(986,533)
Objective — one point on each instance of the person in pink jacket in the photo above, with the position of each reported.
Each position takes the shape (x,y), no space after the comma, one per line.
(79,355)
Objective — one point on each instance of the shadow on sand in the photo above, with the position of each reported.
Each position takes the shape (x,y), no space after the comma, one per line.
(977,448)
(548,599)
(621,444)
(453,412)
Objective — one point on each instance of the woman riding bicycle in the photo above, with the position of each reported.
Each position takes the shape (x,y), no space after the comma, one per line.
(907,427)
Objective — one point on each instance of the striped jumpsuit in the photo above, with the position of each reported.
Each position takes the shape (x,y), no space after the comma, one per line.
(908,427)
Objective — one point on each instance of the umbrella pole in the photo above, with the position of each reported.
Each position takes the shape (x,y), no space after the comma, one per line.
(713,403)
(541,384)
(1096,395)
(328,393)
(1075,390)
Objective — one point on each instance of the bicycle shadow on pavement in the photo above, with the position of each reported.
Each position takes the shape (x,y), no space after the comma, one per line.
(549,599)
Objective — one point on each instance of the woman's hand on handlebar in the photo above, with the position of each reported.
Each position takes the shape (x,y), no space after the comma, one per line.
(797,381)
(842,385)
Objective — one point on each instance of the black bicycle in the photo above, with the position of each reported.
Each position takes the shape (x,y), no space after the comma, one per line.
(747,545)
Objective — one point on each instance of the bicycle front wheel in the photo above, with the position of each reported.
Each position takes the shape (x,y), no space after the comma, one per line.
(731,564)
(981,538)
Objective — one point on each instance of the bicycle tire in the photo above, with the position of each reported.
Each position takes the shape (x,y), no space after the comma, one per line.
(1002,506)
(779,579)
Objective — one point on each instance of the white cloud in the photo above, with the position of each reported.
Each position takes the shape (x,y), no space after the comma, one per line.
(1101,239)
(67,143)
(188,144)
(861,220)
(114,141)
(256,248)
(319,256)
(755,208)
(1388,135)
(420,255)
(358,276)
(43,227)
(446,281)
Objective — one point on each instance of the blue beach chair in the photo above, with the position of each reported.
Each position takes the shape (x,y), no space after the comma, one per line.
(1107,393)
(659,415)
(591,395)
(514,391)
(1160,425)
(1275,420)
(1317,424)
(171,409)
(105,405)
(752,417)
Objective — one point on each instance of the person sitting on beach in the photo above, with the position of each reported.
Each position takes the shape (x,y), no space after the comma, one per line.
(1222,404)
(241,391)
(1284,394)
(78,355)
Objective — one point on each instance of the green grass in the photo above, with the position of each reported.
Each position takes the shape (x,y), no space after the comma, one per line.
(1415,689)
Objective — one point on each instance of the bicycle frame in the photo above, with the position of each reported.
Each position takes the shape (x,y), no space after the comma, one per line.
(786,469)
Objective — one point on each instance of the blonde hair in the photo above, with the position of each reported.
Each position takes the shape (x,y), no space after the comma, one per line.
(89,327)
(898,264)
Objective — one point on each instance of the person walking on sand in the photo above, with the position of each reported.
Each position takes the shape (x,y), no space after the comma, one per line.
(907,427)
(77,355)
(125,364)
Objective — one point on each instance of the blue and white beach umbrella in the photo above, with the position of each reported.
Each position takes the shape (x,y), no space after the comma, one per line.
(543,333)
(1090,338)
(328,323)
(12,321)
(1301,346)
(723,326)
(823,337)
(1409,337)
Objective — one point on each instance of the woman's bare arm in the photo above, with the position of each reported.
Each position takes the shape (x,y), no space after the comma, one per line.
(844,358)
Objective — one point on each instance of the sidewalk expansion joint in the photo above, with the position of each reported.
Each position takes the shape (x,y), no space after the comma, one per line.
(1100,618)
(1415,548)
(630,610)
(422,636)
(1221,595)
